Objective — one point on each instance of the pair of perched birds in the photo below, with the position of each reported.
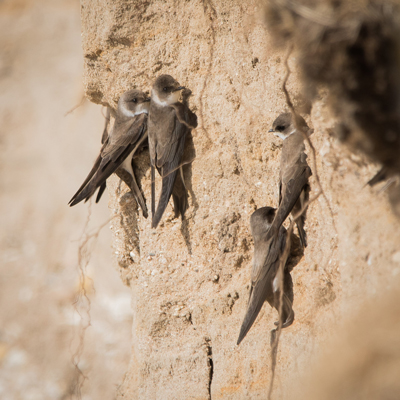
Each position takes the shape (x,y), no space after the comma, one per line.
(164,122)
(270,236)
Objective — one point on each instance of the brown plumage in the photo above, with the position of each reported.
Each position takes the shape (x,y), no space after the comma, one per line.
(169,123)
(294,173)
(126,137)
(268,253)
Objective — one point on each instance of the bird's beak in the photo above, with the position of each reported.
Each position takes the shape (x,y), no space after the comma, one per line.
(271,130)
(179,88)
(146,99)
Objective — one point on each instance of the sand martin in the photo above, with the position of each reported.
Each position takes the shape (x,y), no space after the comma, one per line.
(127,135)
(169,123)
(268,254)
(294,173)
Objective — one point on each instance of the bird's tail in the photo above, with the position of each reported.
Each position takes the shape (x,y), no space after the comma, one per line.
(85,194)
(166,191)
(179,195)
(287,311)
(87,188)
(102,188)
(130,181)
(258,294)
(253,309)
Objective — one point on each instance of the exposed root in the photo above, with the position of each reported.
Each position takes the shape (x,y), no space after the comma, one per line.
(298,126)
(83,99)
(351,49)
(82,301)
(207,4)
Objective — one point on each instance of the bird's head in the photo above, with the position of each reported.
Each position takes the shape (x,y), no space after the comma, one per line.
(283,126)
(261,220)
(133,102)
(166,90)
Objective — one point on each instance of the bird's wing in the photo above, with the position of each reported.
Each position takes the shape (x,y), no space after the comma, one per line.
(168,159)
(124,134)
(167,151)
(290,192)
(262,288)
(114,151)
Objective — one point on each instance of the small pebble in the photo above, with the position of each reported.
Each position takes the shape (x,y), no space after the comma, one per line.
(152,254)
(215,278)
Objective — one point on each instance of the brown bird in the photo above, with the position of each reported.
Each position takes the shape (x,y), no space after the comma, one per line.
(268,253)
(169,123)
(126,137)
(294,173)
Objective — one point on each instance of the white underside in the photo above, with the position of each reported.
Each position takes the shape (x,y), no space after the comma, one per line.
(172,99)
(277,281)
(127,163)
(282,136)
(140,109)
(302,198)
(275,284)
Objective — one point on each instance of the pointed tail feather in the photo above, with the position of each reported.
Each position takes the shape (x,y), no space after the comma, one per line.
(166,191)
(287,312)
(179,196)
(258,295)
(100,192)
(85,194)
(92,172)
(132,184)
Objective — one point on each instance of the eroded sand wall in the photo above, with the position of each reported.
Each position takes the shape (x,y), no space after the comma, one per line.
(190,280)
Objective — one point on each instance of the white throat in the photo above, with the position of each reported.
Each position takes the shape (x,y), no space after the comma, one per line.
(282,136)
(172,99)
(140,109)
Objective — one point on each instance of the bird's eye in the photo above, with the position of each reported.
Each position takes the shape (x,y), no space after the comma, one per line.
(134,100)
(280,128)
(165,89)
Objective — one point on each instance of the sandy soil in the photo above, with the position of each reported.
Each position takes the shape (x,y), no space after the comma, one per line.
(44,157)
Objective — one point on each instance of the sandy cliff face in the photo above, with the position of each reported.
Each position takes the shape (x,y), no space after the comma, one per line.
(190,280)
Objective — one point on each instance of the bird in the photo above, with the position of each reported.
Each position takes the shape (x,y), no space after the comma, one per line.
(294,173)
(170,121)
(127,135)
(265,279)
